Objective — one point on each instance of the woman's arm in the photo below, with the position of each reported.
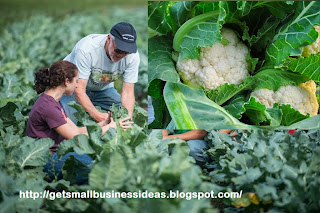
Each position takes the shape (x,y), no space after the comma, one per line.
(69,130)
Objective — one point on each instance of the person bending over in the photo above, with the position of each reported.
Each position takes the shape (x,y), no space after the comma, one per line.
(102,59)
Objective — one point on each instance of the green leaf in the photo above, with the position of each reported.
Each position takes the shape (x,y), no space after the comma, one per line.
(182,11)
(290,115)
(191,109)
(118,112)
(204,7)
(309,123)
(265,34)
(289,172)
(132,137)
(259,114)
(161,116)
(7,114)
(260,150)
(279,9)
(266,192)
(224,92)
(33,152)
(251,175)
(297,33)
(308,66)
(10,139)
(194,33)
(94,132)
(273,79)
(272,164)
(80,115)
(160,65)
(79,144)
(157,13)
(140,116)
(109,173)
(171,169)
(236,106)
(2,156)
(73,169)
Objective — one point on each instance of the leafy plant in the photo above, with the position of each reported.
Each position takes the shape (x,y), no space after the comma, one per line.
(275,170)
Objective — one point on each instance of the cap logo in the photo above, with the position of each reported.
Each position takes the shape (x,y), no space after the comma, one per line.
(128,37)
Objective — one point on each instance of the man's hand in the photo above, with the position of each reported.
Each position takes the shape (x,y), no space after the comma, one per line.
(107,120)
(101,117)
(125,123)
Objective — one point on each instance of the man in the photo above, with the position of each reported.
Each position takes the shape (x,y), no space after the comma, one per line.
(102,59)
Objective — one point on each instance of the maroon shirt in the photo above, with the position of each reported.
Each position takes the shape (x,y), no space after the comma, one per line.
(46,114)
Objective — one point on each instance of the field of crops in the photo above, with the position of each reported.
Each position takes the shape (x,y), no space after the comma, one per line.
(274,170)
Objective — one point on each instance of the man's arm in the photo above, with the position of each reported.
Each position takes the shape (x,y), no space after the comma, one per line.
(83,99)
(127,97)
(196,134)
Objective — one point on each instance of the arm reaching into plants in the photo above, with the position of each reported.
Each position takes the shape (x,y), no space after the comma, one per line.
(83,99)
(69,130)
(191,135)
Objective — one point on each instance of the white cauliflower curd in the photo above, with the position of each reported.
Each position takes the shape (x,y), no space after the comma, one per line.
(218,64)
(302,98)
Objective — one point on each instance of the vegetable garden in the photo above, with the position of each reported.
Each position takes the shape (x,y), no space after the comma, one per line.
(277,170)
(234,64)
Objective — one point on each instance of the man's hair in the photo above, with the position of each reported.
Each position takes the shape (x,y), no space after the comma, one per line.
(112,38)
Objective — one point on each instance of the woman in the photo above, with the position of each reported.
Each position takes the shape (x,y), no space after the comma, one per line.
(48,119)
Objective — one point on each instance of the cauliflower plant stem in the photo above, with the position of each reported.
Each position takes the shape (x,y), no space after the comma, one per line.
(191,109)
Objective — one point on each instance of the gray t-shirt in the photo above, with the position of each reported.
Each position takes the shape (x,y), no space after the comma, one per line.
(93,63)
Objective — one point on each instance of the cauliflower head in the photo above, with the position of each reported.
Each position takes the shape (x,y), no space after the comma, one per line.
(313,48)
(218,64)
(302,98)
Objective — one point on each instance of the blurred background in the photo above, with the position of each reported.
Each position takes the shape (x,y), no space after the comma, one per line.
(36,33)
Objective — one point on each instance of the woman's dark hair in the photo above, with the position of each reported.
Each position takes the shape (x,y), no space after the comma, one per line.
(53,76)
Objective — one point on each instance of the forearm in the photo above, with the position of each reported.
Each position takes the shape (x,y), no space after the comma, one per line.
(106,128)
(191,135)
(127,100)
(227,131)
(83,130)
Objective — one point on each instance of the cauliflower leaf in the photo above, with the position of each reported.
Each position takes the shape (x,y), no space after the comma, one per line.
(297,33)
(308,66)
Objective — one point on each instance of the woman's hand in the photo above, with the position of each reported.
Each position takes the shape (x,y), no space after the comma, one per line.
(112,123)
(125,124)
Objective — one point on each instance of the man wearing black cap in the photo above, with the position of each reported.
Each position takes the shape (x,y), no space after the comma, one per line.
(102,59)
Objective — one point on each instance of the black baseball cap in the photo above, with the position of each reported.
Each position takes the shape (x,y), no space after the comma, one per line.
(125,36)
